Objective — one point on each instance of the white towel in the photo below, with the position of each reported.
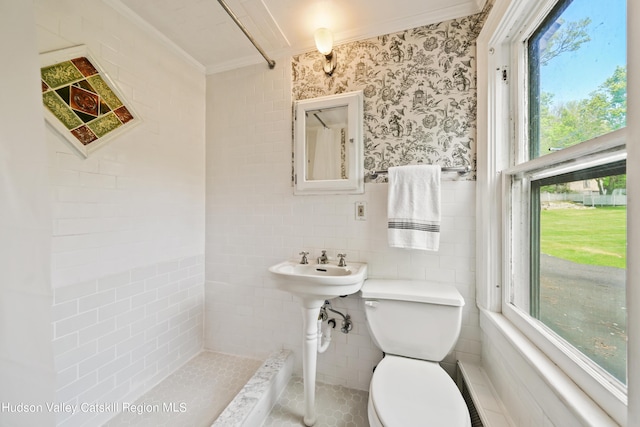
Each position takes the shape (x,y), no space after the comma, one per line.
(413,207)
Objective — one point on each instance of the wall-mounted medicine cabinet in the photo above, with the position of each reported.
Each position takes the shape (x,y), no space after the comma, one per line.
(328,145)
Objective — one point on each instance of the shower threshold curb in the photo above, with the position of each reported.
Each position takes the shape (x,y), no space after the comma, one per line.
(251,406)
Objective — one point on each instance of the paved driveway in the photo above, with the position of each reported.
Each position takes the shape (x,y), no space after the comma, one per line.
(585,304)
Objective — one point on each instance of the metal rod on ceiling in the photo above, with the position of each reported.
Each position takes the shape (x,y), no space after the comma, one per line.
(233,16)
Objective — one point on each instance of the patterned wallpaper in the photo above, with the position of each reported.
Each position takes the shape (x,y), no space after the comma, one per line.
(419,92)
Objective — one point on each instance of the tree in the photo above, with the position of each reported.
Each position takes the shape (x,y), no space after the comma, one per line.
(567,124)
(611,97)
(607,184)
(568,38)
(604,111)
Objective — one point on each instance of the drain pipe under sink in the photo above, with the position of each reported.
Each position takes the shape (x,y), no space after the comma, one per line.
(324,338)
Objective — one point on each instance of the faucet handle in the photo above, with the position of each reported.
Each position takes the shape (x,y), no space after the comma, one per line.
(342,262)
(304,259)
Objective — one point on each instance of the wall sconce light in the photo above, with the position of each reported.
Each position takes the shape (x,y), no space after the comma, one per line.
(324,43)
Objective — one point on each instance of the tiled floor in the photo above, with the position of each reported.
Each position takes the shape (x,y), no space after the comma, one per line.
(336,406)
(198,392)
(194,395)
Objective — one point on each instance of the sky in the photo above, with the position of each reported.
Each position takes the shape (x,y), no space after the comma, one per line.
(573,75)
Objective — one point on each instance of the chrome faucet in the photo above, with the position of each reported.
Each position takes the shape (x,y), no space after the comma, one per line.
(304,259)
(323,259)
(342,262)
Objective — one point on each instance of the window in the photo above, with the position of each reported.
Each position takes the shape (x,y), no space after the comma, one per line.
(578,244)
(565,189)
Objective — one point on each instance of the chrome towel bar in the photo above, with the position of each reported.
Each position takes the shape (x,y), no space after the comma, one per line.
(461,170)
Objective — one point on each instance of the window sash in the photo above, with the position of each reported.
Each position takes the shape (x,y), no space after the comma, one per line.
(606,148)
(606,169)
(535,275)
(516,195)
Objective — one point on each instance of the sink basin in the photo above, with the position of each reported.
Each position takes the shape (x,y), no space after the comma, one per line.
(322,281)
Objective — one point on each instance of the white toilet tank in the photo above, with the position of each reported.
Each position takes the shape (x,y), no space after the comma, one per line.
(412,318)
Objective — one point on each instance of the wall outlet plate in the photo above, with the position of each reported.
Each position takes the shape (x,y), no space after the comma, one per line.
(361,211)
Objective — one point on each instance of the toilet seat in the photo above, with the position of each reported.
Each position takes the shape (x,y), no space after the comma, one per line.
(410,392)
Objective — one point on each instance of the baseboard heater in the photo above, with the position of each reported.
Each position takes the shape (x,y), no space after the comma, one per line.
(473,412)
(485,407)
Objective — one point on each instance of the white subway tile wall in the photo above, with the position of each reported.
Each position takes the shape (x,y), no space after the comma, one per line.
(515,381)
(139,200)
(116,337)
(254,221)
(128,222)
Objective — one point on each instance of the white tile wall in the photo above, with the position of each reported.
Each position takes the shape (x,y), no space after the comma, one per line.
(531,399)
(26,358)
(254,221)
(128,223)
(116,337)
(139,200)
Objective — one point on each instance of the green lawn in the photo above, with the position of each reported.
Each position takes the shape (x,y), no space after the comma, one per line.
(586,236)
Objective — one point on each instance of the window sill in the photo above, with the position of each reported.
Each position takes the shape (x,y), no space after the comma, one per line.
(581,406)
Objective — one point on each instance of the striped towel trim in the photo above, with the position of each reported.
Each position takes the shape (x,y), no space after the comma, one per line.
(404,224)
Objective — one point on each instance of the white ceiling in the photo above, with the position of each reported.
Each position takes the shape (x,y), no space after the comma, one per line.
(202,32)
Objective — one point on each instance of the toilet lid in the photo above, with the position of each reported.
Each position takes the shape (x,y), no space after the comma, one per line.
(409,392)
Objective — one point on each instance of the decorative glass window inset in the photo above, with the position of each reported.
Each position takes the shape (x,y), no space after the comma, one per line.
(81,102)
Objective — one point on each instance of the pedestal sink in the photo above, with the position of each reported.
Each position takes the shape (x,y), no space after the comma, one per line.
(313,284)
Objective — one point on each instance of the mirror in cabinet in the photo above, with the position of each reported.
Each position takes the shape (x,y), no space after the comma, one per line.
(328,147)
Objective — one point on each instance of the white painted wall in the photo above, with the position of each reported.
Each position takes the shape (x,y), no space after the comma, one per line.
(254,221)
(26,359)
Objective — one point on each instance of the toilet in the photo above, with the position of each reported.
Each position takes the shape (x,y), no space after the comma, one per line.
(416,324)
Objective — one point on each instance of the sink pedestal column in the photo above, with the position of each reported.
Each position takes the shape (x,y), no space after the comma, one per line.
(310,312)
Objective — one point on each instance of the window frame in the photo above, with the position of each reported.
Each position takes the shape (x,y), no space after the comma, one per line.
(515,168)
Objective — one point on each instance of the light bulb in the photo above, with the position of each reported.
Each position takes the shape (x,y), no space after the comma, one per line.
(324,40)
